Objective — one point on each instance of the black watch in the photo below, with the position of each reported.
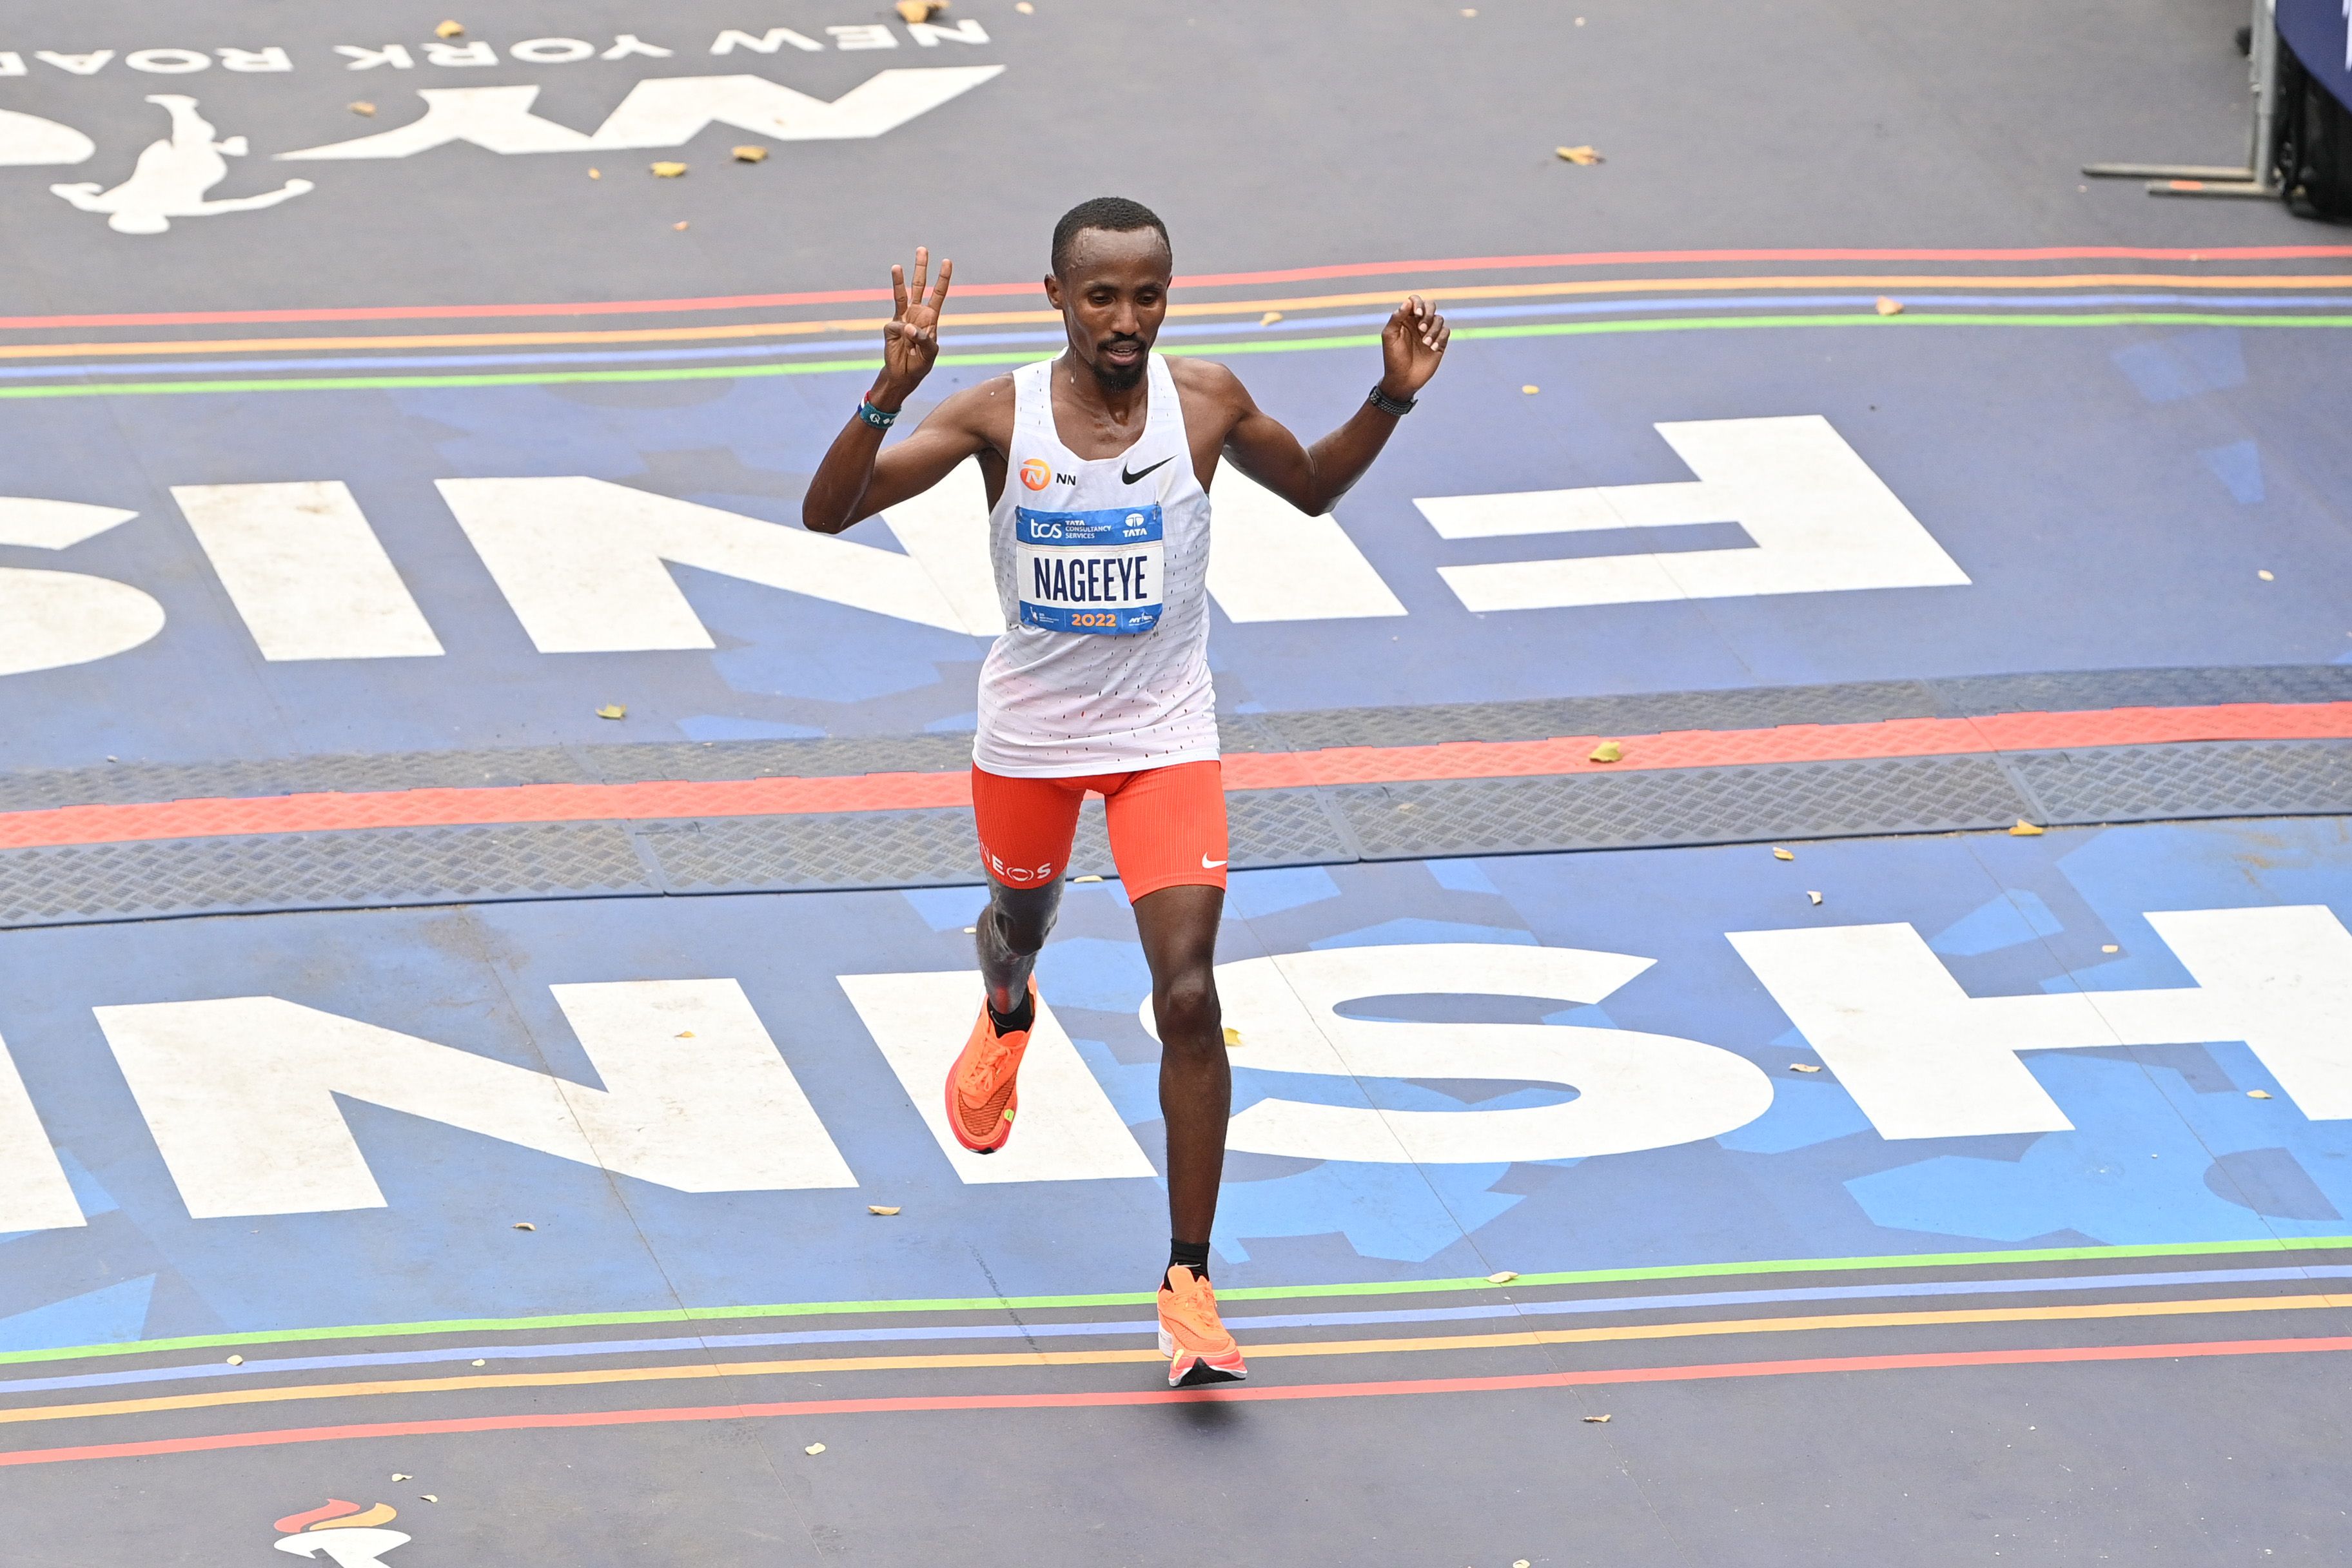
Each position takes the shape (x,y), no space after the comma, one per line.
(1397,407)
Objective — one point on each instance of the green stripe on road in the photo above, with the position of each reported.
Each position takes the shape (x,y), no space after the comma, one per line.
(1258,346)
(1140,1298)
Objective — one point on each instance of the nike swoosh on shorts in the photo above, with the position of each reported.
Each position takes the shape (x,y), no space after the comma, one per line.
(1209,865)
(1131,478)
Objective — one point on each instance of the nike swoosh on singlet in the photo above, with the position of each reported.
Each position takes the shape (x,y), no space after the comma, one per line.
(1131,478)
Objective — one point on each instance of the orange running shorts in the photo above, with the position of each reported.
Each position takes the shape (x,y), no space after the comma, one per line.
(1167,825)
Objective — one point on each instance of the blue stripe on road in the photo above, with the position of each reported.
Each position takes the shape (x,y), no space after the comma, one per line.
(1077,1330)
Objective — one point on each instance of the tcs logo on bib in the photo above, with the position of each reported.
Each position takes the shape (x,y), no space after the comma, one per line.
(1036,473)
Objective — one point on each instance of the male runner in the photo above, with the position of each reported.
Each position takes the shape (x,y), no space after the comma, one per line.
(1097,466)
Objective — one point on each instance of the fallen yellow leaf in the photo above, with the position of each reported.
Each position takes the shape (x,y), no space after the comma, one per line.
(611,711)
(1502,1277)
(2110,947)
(2265,576)
(2258,1094)
(814,1448)
(1269,318)
(1815,897)
(1887,307)
(1781,854)
(749,155)
(1531,389)
(921,10)
(2024,830)
(1597,1420)
(1579,154)
(595,173)
(524,1225)
(884,1209)
(237,1361)
(1608,751)
(680,226)
(667,171)
(362,108)
(450,30)
(1233,1038)
(1025,8)
(1086,878)
(1803,1066)
(683,1034)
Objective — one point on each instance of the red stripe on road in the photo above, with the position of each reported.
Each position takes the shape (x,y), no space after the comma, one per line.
(1600,1378)
(1205,280)
(483,805)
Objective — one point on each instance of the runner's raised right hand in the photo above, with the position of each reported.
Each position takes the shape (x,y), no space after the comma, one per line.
(911,339)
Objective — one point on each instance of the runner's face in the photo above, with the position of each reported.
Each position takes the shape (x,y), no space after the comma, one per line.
(1113,295)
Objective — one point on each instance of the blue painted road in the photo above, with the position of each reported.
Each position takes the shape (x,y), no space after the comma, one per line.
(2167,1146)
(2110,493)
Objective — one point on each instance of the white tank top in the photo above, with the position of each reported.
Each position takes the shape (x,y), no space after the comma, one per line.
(1102,569)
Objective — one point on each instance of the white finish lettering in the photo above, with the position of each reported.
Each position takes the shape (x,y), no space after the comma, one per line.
(272,58)
(80,65)
(393,55)
(946,529)
(11,63)
(669,111)
(768,43)
(34,1192)
(1822,522)
(1925,1059)
(306,571)
(967,30)
(27,140)
(864,36)
(240,1095)
(55,524)
(626,44)
(1270,561)
(168,62)
(1068,1129)
(581,562)
(1634,1090)
(52,619)
(551,51)
(473,53)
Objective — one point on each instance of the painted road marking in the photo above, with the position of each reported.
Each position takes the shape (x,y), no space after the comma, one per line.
(2039,1356)
(983,1360)
(1347,1289)
(1203,280)
(336,811)
(1096,1328)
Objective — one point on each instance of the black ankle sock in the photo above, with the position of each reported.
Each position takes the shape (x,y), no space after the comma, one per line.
(1193,1255)
(1020,1019)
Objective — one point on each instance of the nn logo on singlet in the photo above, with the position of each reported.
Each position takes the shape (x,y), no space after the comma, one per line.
(1037,473)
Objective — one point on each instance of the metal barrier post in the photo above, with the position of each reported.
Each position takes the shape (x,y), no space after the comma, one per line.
(2257,177)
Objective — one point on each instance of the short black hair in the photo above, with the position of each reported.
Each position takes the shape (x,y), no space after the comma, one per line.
(1116,214)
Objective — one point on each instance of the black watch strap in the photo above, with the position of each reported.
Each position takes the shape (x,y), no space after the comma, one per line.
(1398,406)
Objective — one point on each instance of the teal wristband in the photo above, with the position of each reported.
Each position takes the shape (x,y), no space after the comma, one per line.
(881,419)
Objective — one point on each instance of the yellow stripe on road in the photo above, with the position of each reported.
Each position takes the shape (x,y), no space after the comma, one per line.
(1521,1339)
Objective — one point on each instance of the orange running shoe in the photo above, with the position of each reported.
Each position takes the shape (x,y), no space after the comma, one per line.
(1190,1336)
(983,1093)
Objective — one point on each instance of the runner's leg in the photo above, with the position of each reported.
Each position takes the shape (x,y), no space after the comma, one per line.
(1013,928)
(1026,826)
(1179,927)
(1167,835)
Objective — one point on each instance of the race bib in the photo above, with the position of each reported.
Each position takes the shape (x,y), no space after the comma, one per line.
(1092,571)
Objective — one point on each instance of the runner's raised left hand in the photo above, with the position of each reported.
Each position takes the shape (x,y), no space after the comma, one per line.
(1411,344)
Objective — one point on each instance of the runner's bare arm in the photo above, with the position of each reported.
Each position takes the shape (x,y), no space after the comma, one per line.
(1312,479)
(857,477)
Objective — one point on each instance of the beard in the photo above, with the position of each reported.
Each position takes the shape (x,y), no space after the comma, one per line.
(1118,378)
